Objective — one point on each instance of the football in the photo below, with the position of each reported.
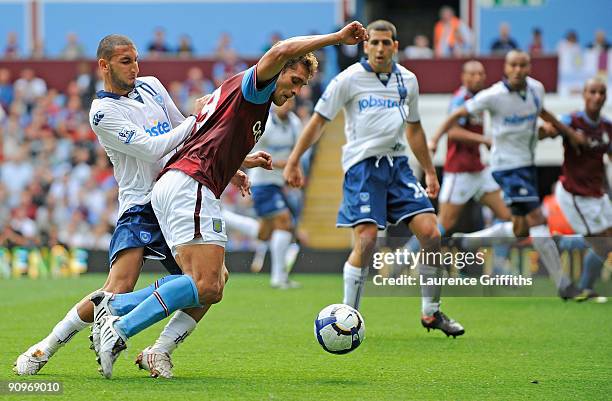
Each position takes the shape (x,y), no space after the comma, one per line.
(339,328)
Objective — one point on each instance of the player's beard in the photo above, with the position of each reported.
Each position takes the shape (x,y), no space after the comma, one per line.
(118,83)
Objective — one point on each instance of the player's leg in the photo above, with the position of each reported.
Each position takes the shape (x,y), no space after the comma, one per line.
(122,278)
(408,202)
(189,216)
(425,227)
(364,209)
(449,214)
(549,253)
(281,239)
(355,268)
(591,217)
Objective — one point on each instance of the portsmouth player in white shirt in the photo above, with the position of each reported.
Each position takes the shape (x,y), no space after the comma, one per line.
(380,102)
(138,124)
(515,104)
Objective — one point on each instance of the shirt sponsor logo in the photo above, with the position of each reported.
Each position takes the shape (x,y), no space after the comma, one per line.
(126,135)
(517,120)
(377,103)
(158,128)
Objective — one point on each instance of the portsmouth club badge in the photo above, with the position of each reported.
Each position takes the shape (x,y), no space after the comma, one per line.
(145,237)
(217,225)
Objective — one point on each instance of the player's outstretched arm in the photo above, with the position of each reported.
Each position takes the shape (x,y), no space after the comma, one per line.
(418,144)
(275,59)
(311,134)
(575,138)
(114,131)
(450,121)
(460,134)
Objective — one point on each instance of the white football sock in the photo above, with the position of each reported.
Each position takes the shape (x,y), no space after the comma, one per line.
(175,332)
(64,331)
(430,294)
(354,278)
(279,243)
(244,224)
(549,254)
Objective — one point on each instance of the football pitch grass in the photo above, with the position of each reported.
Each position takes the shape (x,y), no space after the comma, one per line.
(258,344)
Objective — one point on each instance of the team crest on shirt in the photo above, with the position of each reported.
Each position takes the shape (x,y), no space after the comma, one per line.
(97,118)
(159,99)
(364,196)
(217,225)
(145,237)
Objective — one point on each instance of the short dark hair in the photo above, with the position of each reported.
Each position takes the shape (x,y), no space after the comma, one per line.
(107,45)
(382,25)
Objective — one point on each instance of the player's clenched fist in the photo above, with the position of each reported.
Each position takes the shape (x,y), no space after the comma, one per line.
(353,34)
(293,175)
(433,186)
(241,180)
(258,159)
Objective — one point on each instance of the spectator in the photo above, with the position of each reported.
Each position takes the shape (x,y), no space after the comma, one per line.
(452,38)
(597,57)
(504,43)
(86,83)
(17,173)
(275,37)
(38,50)
(11,50)
(6,89)
(30,88)
(185,48)
(536,47)
(228,66)
(571,65)
(73,49)
(195,86)
(420,48)
(158,47)
(224,48)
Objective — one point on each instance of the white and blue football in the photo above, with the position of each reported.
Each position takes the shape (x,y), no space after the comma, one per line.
(339,328)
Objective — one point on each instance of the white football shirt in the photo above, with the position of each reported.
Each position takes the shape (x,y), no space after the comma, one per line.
(278,139)
(514,117)
(137,131)
(376,110)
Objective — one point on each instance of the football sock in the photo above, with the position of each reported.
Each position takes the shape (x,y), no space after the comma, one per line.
(430,294)
(244,224)
(354,278)
(175,332)
(176,294)
(592,264)
(64,331)
(122,304)
(549,254)
(279,243)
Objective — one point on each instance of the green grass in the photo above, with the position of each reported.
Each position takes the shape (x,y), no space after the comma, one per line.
(258,344)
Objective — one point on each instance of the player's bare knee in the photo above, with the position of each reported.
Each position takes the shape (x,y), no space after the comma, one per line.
(212,293)
(429,237)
